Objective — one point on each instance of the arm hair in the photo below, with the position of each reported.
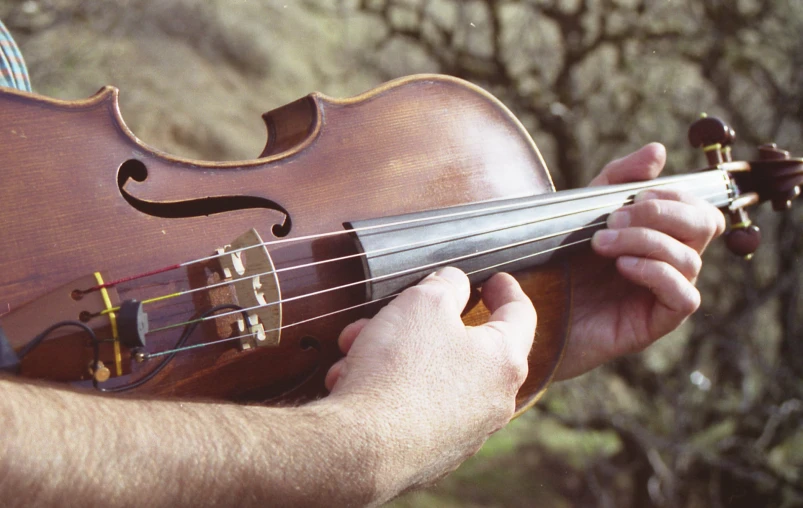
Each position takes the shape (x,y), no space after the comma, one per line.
(61,446)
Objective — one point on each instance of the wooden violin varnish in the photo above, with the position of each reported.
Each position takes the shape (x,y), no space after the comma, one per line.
(125,269)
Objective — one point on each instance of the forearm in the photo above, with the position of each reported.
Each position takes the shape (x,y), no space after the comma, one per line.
(62,445)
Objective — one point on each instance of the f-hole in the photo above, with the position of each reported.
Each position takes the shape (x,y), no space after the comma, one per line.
(135,170)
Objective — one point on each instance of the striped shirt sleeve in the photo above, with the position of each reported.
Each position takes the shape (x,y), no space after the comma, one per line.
(13,72)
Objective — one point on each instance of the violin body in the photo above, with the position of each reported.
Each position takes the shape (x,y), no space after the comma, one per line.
(81,194)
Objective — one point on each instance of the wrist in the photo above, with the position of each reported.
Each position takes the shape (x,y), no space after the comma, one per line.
(387,448)
(362,449)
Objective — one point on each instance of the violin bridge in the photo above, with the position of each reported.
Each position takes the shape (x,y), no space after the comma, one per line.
(249,267)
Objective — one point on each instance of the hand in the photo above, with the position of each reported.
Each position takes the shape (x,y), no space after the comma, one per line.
(625,305)
(434,388)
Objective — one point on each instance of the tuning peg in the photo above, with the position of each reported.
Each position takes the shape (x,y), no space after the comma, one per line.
(744,237)
(714,136)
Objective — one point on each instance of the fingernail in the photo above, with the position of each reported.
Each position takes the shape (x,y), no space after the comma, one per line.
(605,237)
(619,219)
(628,261)
(644,196)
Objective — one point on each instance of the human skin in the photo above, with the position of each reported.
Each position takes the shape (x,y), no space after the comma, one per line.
(623,307)
(416,393)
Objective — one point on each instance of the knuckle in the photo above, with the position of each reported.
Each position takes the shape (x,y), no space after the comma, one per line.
(651,209)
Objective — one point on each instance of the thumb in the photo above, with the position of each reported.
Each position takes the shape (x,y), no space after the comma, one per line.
(643,164)
(454,283)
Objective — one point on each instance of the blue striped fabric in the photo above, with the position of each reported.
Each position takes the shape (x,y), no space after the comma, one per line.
(12,67)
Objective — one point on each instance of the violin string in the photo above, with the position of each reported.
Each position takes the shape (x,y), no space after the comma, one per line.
(539,200)
(382,277)
(425,243)
(352,307)
(401,272)
(396,274)
(247,335)
(369,253)
(363,304)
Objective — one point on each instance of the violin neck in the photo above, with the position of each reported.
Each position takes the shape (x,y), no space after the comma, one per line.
(505,235)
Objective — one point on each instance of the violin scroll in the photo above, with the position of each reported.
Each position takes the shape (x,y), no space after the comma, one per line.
(774,177)
(785,175)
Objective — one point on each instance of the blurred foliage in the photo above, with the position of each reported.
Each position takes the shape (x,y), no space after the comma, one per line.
(710,416)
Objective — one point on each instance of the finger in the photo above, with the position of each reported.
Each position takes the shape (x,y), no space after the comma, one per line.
(334,374)
(643,164)
(512,312)
(441,296)
(695,226)
(454,281)
(648,243)
(676,297)
(349,333)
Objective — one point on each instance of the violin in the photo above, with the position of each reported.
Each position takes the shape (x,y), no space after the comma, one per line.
(124,269)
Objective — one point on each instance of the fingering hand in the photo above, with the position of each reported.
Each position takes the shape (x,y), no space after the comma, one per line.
(623,306)
(434,388)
